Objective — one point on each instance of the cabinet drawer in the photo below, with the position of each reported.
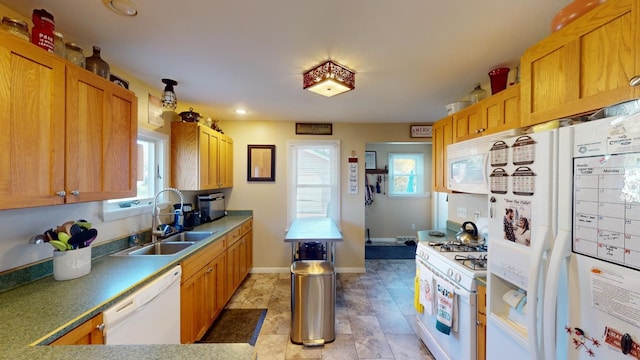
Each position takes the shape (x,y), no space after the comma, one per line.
(234,235)
(247,226)
(203,257)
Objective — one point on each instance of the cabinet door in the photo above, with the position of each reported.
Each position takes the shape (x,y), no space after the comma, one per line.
(208,144)
(219,265)
(194,307)
(468,123)
(482,323)
(32,92)
(502,110)
(101,130)
(442,136)
(583,67)
(233,268)
(226,162)
(87,333)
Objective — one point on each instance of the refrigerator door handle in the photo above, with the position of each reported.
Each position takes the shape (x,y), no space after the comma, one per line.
(542,244)
(561,251)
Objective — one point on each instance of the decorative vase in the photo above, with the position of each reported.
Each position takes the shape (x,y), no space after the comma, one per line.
(498,79)
(572,11)
(96,65)
(477,94)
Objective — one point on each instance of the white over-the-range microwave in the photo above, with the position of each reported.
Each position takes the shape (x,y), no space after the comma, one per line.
(468,162)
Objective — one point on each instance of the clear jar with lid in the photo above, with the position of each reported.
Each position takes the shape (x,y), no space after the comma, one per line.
(75,54)
(15,27)
(59,47)
(477,94)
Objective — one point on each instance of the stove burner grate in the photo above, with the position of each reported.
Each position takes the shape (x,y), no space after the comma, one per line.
(473,262)
(457,247)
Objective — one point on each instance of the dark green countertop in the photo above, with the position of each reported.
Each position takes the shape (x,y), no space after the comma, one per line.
(37,313)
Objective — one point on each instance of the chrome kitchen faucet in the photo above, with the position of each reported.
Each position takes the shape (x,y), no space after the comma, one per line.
(155,215)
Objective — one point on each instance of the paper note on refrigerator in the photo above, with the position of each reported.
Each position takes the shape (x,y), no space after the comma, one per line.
(616,294)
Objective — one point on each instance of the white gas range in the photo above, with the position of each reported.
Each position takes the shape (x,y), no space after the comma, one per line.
(441,259)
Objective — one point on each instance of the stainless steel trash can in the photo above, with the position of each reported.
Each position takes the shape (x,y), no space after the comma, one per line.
(313,302)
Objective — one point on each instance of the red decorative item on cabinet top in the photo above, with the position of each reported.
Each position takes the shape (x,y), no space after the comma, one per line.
(573,11)
(43,27)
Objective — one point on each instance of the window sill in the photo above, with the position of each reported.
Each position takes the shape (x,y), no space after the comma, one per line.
(117,214)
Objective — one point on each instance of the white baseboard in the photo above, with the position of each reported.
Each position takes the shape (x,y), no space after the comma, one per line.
(383,240)
(280,270)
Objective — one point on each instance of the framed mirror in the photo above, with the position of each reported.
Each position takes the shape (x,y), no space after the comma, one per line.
(261,163)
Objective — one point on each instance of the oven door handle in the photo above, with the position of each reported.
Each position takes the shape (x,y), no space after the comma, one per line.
(465,294)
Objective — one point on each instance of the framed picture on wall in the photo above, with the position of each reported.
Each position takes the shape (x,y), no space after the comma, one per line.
(370,160)
(261,163)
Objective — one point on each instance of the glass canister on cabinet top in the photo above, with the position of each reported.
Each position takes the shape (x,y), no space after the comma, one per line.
(59,47)
(477,94)
(15,27)
(74,54)
(97,65)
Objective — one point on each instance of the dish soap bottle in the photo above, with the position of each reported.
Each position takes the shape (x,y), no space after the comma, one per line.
(477,94)
(96,65)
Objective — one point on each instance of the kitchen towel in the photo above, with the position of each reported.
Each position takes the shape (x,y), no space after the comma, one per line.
(446,307)
(416,292)
(426,295)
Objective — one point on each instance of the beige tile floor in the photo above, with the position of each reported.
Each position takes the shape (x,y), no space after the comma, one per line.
(375,318)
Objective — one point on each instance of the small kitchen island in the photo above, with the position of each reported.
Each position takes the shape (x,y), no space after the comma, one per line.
(313,280)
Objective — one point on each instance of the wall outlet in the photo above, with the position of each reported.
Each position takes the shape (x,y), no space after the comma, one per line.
(476,215)
(462,212)
(413,226)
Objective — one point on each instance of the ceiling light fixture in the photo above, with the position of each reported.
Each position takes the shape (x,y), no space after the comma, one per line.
(329,79)
(169,99)
(121,7)
(241,111)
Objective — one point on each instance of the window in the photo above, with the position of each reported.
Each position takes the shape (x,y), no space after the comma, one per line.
(152,164)
(406,174)
(313,187)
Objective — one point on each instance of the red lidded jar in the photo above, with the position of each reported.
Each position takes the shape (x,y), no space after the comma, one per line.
(43,28)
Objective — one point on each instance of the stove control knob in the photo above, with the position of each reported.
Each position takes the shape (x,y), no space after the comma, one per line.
(450,272)
(458,277)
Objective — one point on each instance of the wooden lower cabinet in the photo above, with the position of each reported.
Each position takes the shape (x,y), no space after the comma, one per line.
(209,280)
(482,323)
(87,333)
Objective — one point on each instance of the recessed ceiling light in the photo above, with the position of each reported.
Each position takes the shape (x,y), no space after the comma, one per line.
(121,7)
(241,111)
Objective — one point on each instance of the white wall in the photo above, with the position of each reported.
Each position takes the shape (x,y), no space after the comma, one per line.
(389,217)
(268,200)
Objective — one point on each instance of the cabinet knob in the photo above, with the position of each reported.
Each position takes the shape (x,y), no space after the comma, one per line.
(478,322)
(75,192)
(209,270)
(635,81)
(61,193)
(100,327)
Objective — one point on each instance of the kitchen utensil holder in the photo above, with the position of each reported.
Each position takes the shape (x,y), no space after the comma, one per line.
(71,264)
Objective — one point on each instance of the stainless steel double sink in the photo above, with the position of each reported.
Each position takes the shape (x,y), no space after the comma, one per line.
(168,246)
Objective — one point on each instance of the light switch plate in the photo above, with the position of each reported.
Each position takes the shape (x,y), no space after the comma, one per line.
(462,212)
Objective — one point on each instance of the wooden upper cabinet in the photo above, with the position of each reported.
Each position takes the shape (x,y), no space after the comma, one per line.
(501,111)
(442,136)
(32,103)
(69,134)
(496,113)
(584,66)
(468,123)
(201,158)
(101,138)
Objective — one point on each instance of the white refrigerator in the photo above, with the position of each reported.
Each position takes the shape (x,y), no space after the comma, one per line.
(523,193)
(573,290)
(592,294)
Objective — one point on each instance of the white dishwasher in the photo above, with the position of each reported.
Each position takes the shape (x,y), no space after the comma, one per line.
(151,315)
